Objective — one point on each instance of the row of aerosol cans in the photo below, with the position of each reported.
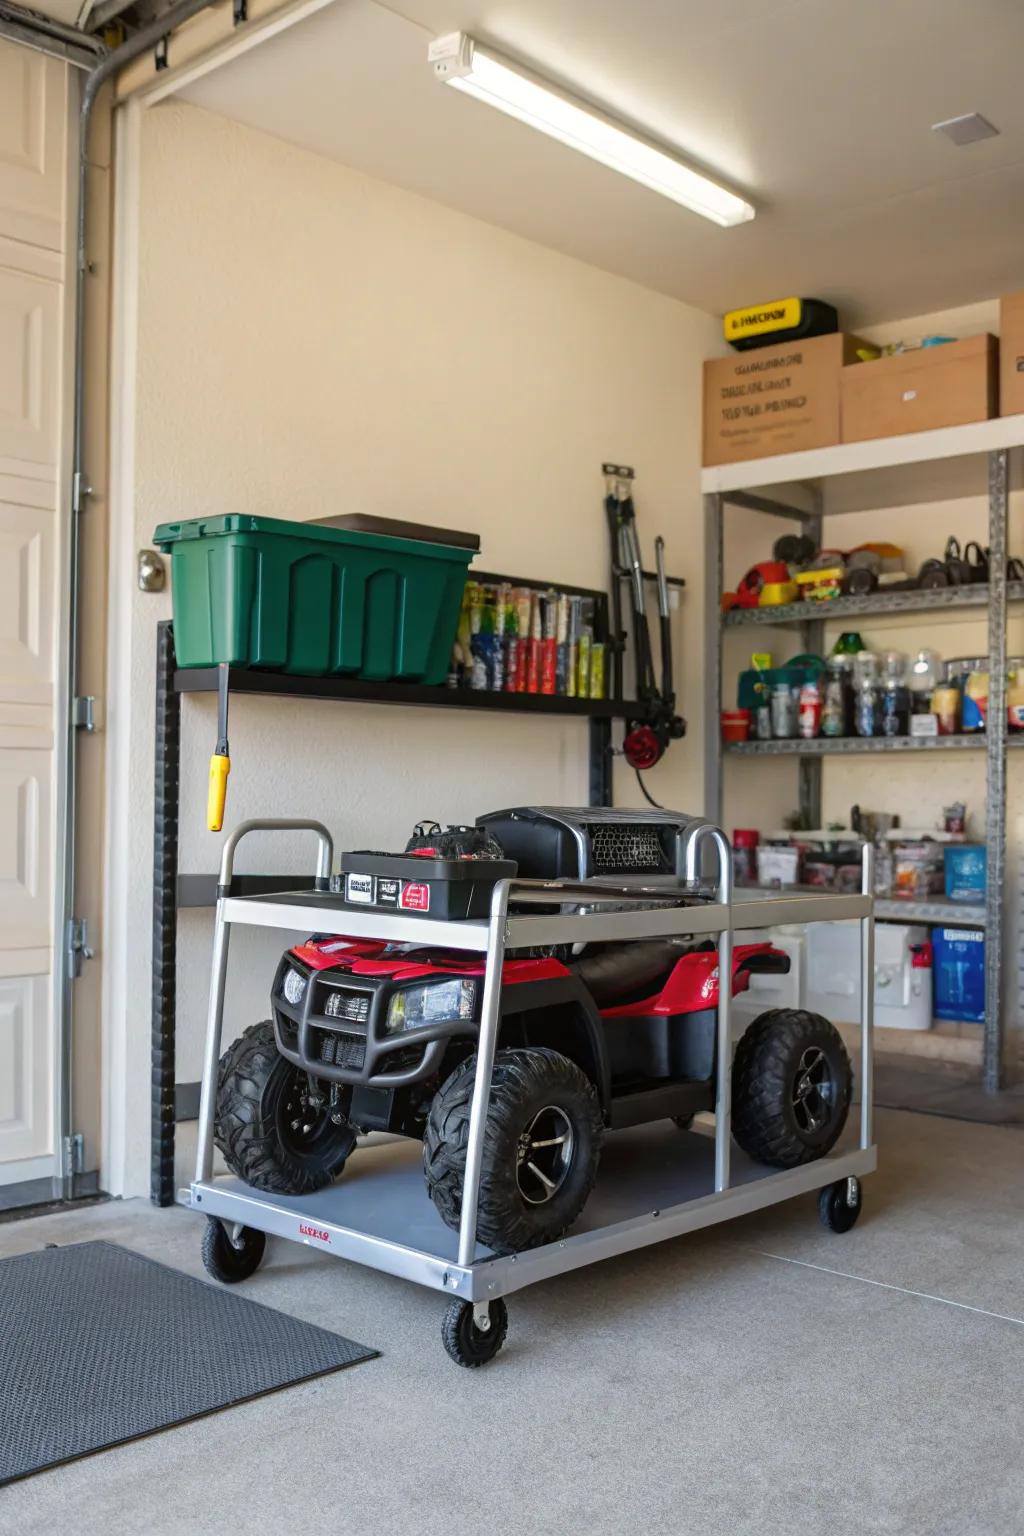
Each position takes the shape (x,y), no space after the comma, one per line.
(527,640)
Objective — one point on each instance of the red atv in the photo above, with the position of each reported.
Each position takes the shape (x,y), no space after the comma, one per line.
(374,1036)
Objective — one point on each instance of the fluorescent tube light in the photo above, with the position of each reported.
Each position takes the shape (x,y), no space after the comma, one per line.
(460,62)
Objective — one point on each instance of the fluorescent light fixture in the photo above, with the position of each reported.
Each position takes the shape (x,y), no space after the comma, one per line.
(460,62)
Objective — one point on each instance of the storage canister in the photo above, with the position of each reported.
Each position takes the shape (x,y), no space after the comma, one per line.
(306,598)
(965,869)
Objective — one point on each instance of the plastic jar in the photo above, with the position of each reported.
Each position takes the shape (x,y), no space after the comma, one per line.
(744,855)
(895,708)
(1015,695)
(784,711)
(837,705)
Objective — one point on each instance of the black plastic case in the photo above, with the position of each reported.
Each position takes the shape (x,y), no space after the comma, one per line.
(449,889)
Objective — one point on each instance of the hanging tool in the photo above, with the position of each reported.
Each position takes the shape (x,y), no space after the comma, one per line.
(647,737)
(668,694)
(220,762)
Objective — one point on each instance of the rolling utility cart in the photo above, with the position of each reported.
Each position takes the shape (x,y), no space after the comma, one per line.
(655,1180)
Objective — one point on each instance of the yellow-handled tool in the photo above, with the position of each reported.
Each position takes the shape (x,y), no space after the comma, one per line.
(220,762)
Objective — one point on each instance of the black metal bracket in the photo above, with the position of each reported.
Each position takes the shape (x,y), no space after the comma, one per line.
(166,795)
(239,11)
(160,59)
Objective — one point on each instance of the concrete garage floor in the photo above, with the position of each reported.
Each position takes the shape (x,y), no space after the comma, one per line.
(762,1377)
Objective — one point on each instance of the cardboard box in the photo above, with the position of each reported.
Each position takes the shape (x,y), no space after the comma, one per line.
(1011,354)
(943,386)
(778,399)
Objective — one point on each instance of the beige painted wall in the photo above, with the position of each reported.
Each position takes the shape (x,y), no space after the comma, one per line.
(312,341)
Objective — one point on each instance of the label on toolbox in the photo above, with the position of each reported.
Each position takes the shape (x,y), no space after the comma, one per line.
(415,897)
(388,891)
(361,888)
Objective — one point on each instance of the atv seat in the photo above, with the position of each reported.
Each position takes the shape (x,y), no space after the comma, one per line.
(627,973)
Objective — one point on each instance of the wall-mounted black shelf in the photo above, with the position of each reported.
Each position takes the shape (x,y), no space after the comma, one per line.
(201,890)
(357,690)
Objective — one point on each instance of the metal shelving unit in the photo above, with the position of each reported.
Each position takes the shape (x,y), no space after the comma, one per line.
(804,478)
(848,746)
(939,909)
(875,603)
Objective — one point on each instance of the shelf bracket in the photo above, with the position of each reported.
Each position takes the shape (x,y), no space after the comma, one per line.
(755,503)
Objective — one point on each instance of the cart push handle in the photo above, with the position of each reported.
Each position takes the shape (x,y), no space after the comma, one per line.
(325,849)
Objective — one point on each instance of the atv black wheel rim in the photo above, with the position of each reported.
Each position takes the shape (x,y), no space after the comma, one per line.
(544,1155)
(813,1091)
(302,1123)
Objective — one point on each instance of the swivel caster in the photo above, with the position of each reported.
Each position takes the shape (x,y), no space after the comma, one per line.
(465,1342)
(230,1258)
(839,1204)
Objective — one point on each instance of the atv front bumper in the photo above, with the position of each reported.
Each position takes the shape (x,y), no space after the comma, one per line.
(351,1044)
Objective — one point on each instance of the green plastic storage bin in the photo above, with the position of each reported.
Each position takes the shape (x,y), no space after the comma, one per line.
(302,598)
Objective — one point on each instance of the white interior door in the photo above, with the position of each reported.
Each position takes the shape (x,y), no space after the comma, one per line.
(33,105)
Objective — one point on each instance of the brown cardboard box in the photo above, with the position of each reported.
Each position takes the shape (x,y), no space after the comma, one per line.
(1011,354)
(777,399)
(917,391)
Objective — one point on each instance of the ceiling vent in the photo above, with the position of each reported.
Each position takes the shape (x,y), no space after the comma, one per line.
(966,130)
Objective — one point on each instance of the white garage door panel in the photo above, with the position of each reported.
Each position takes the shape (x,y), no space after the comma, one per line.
(26,1124)
(29,367)
(26,604)
(32,147)
(25,851)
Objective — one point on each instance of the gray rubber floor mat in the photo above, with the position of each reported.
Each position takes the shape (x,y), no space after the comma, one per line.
(99,1345)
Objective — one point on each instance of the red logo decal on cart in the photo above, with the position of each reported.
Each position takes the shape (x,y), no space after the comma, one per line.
(305,1230)
(415,898)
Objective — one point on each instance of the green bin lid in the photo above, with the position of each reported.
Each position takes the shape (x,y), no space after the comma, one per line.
(354,528)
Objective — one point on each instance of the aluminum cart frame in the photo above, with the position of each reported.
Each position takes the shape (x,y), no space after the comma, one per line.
(472,1275)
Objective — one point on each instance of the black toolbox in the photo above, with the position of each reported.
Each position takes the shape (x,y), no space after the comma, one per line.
(409,883)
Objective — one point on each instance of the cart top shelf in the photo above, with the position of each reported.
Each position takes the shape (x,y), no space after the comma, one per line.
(325,912)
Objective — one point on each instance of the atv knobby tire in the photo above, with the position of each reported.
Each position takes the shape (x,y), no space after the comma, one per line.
(773,1119)
(254,1128)
(528,1086)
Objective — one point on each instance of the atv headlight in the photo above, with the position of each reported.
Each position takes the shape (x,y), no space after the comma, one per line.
(294,987)
(431,1004)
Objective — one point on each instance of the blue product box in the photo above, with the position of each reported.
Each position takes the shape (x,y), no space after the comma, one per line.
(958,973)
(965,867)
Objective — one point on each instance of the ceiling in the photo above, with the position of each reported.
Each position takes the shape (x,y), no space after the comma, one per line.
(819,111)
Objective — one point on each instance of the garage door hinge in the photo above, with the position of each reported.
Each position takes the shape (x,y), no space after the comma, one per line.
(80,489)
(83,712)
(78,946)
(74,1154)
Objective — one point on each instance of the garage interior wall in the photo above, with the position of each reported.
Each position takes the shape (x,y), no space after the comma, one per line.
(310,341)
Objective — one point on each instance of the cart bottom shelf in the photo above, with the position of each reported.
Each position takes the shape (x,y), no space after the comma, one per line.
(654,1182)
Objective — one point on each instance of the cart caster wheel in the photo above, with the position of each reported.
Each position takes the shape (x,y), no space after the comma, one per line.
(466,1343)
(224,1260)
(839,1204)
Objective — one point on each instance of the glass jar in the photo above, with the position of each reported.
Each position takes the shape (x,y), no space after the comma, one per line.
(923,678)
(866,668)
